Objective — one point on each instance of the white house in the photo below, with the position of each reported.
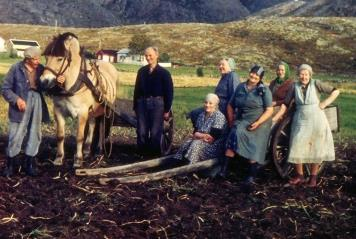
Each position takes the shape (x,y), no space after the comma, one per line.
(18,46)
(124,56)
(2,45)
(107,55)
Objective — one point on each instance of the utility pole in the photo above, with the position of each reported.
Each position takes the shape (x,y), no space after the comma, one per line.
(99,47)
(55,26)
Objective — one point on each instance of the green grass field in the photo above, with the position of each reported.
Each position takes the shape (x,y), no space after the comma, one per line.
(188,98)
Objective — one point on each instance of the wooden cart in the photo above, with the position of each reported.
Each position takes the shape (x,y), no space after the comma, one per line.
(122,114)
(279,146)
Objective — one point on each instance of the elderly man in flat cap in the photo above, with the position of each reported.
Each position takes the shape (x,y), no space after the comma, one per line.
(27,109)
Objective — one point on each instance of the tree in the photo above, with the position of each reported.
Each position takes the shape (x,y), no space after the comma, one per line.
(138,43)
(164,57)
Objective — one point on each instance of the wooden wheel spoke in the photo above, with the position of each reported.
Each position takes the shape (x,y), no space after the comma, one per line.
(281,146)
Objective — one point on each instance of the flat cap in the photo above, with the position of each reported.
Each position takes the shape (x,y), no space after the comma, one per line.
(32,51)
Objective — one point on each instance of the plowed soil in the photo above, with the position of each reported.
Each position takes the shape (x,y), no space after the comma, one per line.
(58,204)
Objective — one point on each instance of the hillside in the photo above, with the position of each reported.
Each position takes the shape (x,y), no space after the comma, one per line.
(100,13)
(310,8)
(328,44)
(104,13)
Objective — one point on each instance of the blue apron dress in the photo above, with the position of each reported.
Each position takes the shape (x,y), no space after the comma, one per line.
(249,106)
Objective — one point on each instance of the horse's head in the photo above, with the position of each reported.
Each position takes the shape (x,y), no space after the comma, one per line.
(60,54)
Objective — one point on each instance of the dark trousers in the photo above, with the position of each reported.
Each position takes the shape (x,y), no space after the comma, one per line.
(149,113)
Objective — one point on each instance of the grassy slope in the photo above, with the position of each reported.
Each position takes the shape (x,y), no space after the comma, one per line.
(325,43)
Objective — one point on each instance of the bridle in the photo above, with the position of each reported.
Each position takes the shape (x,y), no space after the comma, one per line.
(82,79)
(67,58)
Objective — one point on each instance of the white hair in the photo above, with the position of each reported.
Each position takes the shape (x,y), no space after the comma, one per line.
(306,67)
(154,48)
(211,97)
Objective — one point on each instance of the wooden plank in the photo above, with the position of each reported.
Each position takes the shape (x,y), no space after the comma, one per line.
(124,168)
(206,164)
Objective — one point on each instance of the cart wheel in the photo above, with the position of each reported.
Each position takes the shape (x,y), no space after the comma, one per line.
(167,138)
(280,150)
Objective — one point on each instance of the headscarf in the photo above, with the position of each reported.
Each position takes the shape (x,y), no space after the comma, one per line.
(258,70)
(287,72)
(231,63)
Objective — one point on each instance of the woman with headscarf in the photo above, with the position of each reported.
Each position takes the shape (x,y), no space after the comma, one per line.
(248,137)
(311,140)
(279,88)
(225,87)
(228,82)
(207,141)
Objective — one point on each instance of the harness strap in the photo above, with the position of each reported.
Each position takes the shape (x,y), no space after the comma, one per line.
(83,78)
(95,69)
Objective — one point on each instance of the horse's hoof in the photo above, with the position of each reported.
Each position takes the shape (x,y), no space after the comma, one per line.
(58,161)
(78,163)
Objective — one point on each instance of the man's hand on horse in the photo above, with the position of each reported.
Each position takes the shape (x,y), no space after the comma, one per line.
(21,104)
(61,79)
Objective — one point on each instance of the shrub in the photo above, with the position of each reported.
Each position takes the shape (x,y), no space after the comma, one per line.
(200,71)
(242,33)
(164,57)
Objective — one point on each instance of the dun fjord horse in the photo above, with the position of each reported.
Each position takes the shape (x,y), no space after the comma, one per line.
(79,96)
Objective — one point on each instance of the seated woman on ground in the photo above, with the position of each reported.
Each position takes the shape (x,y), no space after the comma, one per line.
(250,129)
(311,140)
(226,87)
(208,139)
(279,87)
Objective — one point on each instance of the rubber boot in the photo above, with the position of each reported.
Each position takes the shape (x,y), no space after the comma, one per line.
(252,173)
(224,166)
(9,169)
(30,166)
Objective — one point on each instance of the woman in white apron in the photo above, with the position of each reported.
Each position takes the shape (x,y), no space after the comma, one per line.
(311,140)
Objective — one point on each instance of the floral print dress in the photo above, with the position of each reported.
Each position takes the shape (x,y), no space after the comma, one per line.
(197,150)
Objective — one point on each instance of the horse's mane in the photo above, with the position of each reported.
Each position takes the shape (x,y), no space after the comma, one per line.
(56,46)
